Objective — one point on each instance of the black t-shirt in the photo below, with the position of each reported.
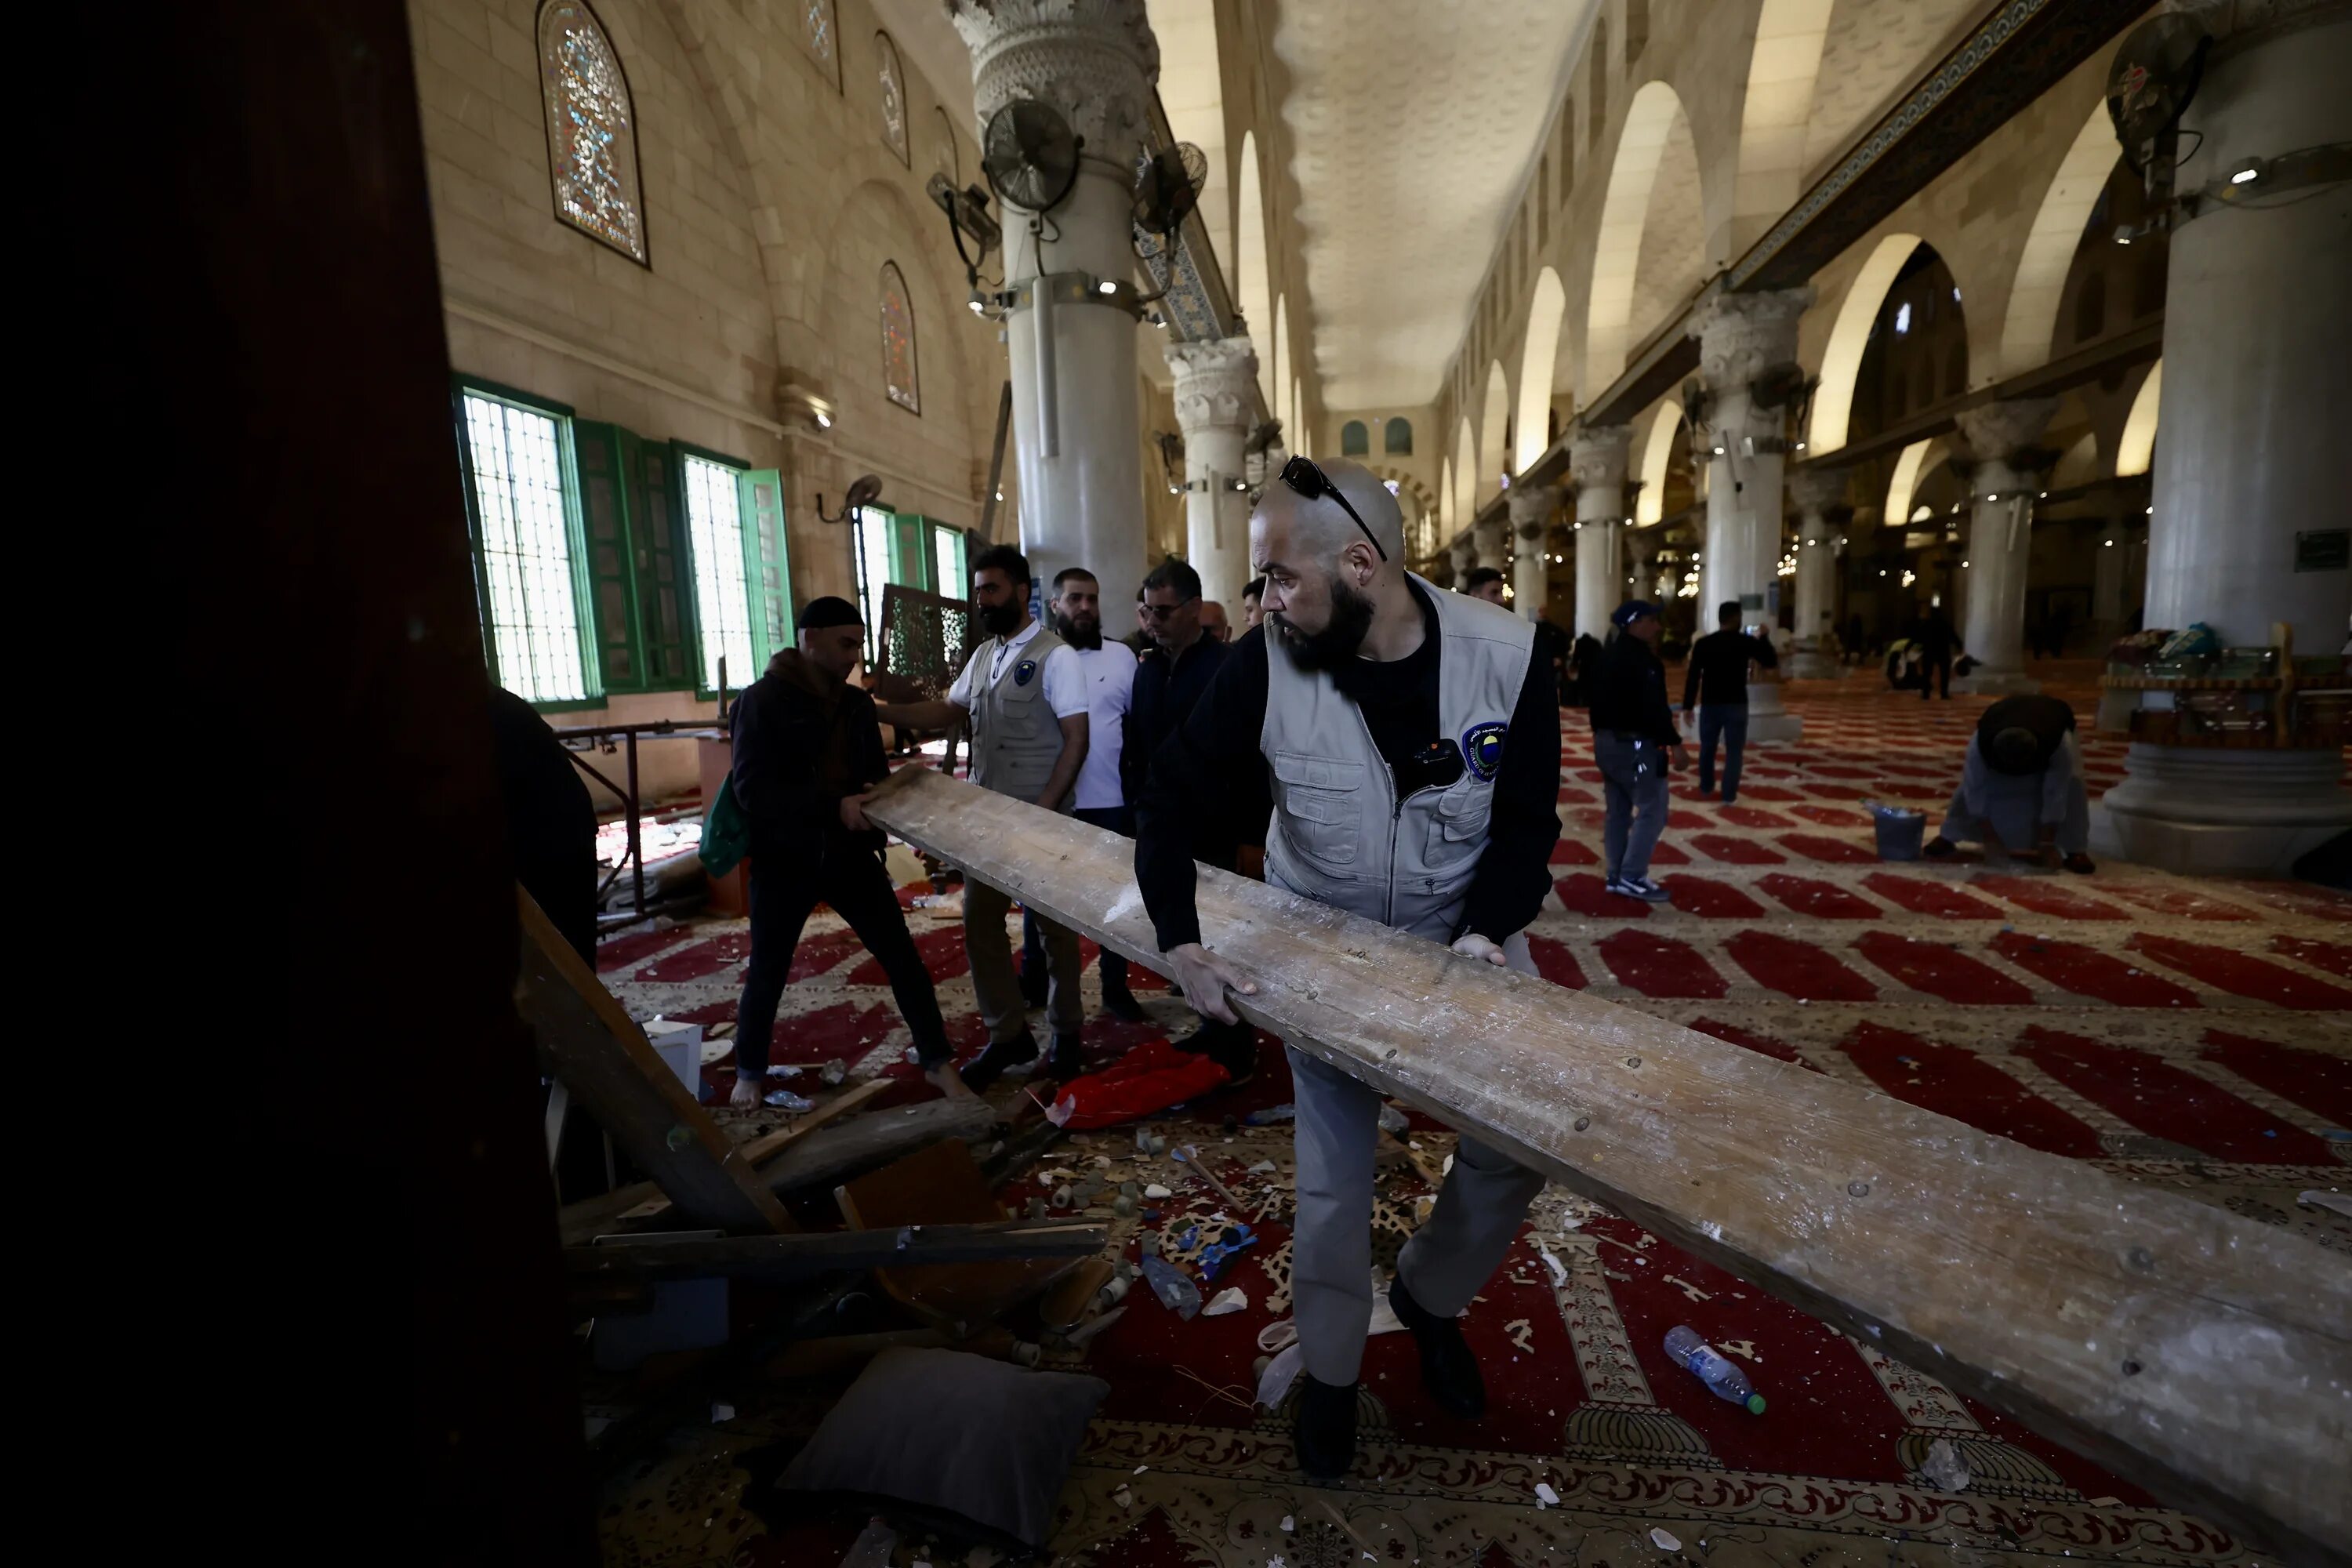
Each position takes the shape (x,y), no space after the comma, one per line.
(1718,668)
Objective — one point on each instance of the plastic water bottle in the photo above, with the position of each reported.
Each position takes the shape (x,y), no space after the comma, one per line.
(1711,1367)
(873,1547)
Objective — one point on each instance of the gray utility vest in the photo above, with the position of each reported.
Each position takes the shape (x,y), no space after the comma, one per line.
(1015,739)
(1341,836)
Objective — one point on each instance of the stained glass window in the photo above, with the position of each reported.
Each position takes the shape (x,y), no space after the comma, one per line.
(817,35)
(722,595)
(946,156)
(592,145)
(894,98)
(530,599)
(898,342)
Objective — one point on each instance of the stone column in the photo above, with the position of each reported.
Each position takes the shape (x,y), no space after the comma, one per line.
(2009,472)
(1741,336)
(1216,385)
(1491,537)
(2255,320)
(1597,459)
(1532,510)
(1817,492)
(1072,347)
(1464,549)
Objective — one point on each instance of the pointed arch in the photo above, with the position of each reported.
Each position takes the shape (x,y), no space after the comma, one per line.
(947,153)
(2035,296)
(591,139)
(1905,483)
(890,89)
(1494,456)
(1544,314)
(1657,451)
(1281,400)
(1466,474)
(1257,291)
(2135,448)
(1303,443)
(1841,361)
(1446,498)
(1651,120)
(1775,114)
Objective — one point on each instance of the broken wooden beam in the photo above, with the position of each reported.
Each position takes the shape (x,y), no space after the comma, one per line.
(2199,1354)
(791,1258)
(601,1053)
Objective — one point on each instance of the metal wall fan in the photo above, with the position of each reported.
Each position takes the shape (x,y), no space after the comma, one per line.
(2155,75)
(1168,187)
(1030,155)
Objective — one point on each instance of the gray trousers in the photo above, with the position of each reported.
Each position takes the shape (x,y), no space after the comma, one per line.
(1448,1260)
(1633,777)
(997,987)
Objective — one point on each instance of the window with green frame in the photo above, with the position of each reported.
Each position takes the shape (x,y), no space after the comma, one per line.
(910,549)
(742,581)
(522,513)
(606,562)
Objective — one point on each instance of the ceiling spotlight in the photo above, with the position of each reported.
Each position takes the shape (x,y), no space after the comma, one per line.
(2247,172)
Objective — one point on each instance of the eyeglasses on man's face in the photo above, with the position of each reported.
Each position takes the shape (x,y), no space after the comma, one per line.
(1161,612)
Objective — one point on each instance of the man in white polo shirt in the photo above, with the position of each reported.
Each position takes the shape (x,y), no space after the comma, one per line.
(1075,611)
(1025,694)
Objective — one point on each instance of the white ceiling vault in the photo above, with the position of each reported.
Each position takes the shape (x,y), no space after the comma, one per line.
(1412,123)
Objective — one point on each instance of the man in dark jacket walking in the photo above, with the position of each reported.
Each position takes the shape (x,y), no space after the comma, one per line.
(807,748)
(1937,642)
(1717,691)
(1633,732)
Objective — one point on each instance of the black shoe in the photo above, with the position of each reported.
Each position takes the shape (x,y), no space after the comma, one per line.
(1068,1060)
(1033,984)
(989,1066)
(1940,848)
(1233,1047)
(1120,1003)
(1448,1370)
(1324,1423)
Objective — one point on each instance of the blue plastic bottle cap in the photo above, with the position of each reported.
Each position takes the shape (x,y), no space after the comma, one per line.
(1756,1404)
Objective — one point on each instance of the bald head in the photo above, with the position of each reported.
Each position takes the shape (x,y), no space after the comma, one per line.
(1320,568)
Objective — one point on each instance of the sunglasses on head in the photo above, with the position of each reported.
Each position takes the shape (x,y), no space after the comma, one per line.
(1305,480)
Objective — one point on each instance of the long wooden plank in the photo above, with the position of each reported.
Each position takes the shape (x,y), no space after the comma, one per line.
(645,1201)
(789,1257)
(601,1053)
(2203,1355)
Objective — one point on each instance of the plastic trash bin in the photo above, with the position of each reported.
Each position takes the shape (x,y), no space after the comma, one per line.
(1900,831)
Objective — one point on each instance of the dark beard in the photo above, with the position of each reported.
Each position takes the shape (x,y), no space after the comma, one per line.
(1334,645)
(1088,636)
(1000,620)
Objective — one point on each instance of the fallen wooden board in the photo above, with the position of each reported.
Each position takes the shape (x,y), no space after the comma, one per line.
(2199,1354)
(941,1185)
(789,1257)
(644,1202)
(590,1042)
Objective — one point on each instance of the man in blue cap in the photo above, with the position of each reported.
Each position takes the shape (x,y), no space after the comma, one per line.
(1633,736)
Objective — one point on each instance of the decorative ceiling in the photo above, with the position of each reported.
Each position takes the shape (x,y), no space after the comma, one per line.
(1412,125)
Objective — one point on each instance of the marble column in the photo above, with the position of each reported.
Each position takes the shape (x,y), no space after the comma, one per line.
(1492,539)
(2255,376)
(2009,472)
(1597,459)
(1072,345)
(1216,385)
(1818,493)
(1741,336)
(1531,511)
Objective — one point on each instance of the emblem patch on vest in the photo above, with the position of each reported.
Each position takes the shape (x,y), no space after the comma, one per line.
(1482,748)
(1024,672)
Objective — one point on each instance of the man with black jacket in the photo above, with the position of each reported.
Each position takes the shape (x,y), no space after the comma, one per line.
(807,748)
(1633,732)
(1717,690)
(1937,642)
(1411,743)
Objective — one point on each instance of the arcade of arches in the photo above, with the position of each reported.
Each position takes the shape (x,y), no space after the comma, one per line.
(1685,300)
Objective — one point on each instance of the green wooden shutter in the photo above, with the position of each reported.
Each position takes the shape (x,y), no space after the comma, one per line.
(761,494)
(665,604)
(612,585)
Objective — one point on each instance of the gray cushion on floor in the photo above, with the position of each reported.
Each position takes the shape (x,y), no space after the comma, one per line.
(948,1430)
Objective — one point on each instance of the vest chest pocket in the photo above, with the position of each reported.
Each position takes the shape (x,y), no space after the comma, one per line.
(1457,828)
(1320,809)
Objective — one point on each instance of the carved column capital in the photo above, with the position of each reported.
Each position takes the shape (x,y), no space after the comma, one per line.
(1216,381)
(1999,431)
(1815,490)
(1531,508)
(1740,336)
(1596,455)
(1093,60)
(1464,551)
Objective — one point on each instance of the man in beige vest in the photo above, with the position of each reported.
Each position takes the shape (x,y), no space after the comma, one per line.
(1411,743)
(1024,694)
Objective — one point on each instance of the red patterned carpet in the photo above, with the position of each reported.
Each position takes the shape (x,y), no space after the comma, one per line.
(2190,1034)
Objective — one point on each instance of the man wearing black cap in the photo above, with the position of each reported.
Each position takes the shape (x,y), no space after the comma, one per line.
(807,748)
(1632,735)
(2023,788)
